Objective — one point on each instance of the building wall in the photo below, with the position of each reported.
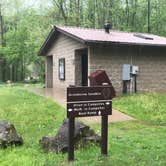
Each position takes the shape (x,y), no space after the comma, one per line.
(151,63)
(49,73)
(64,47)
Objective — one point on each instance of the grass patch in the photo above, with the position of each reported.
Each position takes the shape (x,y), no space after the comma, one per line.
(33,117)
(130,143)
(149,107)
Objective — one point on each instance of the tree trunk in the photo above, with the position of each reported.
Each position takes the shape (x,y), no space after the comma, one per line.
(78,12)
(133,22)
(4,70)
(148,16)
(127,12)
(13,76)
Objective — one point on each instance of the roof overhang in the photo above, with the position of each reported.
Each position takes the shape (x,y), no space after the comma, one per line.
(106,43)
(52,37)
(48,42)
(56,31)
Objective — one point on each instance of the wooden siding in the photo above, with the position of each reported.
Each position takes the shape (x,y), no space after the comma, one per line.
(64,47)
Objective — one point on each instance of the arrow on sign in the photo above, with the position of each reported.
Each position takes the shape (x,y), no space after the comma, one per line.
(107,103)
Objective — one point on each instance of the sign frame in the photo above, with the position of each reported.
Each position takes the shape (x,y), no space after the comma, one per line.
(81,96)
(89,101)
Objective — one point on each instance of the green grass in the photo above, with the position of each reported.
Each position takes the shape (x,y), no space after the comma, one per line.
(149,107)
(136,143)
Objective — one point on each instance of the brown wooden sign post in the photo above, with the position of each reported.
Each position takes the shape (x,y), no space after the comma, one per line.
(89,101)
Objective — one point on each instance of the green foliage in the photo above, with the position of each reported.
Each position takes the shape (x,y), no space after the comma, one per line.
(33,117)
(130,143)
(22,46)
(26,26)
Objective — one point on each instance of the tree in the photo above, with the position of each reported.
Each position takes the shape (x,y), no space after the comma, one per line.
(26,27)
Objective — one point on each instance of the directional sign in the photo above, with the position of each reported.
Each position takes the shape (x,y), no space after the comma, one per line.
(89,101)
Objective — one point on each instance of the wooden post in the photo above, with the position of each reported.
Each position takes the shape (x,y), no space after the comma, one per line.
(104,135)
(135,82)
(104,132)
(71,139)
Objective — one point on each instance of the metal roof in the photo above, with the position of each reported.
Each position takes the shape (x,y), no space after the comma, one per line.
(99,36)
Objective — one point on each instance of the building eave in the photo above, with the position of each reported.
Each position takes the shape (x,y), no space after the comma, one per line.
(52,37)
(44,48)
(106,43)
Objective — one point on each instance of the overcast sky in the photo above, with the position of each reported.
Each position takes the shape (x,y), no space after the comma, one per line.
(36,3)
(8,8)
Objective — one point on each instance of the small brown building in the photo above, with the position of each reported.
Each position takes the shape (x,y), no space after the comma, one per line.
(72,53)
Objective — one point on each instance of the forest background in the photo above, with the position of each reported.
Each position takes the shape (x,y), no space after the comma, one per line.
(24,25)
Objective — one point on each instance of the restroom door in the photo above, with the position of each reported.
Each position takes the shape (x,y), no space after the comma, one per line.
(84,62)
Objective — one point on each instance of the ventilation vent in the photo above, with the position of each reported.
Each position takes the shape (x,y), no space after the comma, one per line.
(107,27)
(143,36)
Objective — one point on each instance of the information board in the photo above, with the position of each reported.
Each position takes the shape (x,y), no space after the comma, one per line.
(89,101)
